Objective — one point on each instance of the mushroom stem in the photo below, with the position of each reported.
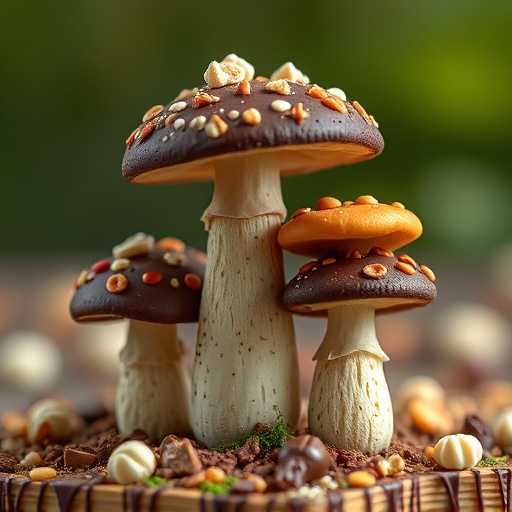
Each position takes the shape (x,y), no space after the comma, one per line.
(349,405)
(246,359)
(153,378)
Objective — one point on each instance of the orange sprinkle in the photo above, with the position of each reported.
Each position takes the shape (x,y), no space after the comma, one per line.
(405,268)
(117,283)
(428,272)
(193,281)
(171,243)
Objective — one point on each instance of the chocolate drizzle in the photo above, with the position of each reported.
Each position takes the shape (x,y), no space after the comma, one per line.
(4,492)
(335,501)
(505,488)
(414,505)
(40,496)
(131,498)
(478,483)
(15,506)
(394,495)
(451,482)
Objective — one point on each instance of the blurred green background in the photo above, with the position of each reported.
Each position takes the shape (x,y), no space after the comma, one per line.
(76,78)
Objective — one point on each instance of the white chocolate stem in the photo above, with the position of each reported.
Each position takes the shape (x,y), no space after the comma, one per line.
(246,360)
(246,187)
(154,387)
(349,405)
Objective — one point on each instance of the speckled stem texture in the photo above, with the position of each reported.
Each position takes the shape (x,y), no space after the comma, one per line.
(246,360)
(350,406)
(154,386)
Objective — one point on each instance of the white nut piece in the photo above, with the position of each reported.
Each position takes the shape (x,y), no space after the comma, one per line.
(224,73)
(249,68)
(337,93)
(135,245)
(289,72)
(458,451)
(51,420)
(131,462)
(501,426)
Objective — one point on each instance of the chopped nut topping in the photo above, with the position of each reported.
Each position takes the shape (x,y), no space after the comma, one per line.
(262,79)
(428,272)
(152,112)
(233,114)
(179,124)
(244,88)
(224,73)
(249,68)
(193,281)
(300,212)
(381,252)
(152,277)
(81,279)
(42,474)
(170,119)
(117,283)
(280,105)
(335,104)
(215,127)
(329,261)
(171,243)
(178,107)
(317,92)
(362,112)
(175,283)
(299,114)
(186,93)
(366,200)
(375,270)
(307,267)
(120,264)
(198,123)
(252,116)
(135,245)
(407,259)
(326,203)
(361,479)
(354,254)
(405,268)
(337,93)
(146,130)
(175,260)
(289,72)
(202,99)
(279,86)
(131,138)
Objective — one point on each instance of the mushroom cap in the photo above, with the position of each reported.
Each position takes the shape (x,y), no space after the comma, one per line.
(183,140)
(162,286)
(375,280)
(357,226)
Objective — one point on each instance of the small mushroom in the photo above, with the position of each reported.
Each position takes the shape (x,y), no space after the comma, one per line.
(156,288)
(350,406)
(244,136)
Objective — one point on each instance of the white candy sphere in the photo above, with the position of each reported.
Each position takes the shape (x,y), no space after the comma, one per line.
(458,451)
(131,462)
(502,428)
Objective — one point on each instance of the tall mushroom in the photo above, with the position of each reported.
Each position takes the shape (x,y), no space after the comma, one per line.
(355,277)
(156,288)
(245,133)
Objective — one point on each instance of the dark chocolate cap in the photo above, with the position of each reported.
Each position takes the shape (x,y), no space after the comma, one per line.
(180,141)
(161,286)
(383,282)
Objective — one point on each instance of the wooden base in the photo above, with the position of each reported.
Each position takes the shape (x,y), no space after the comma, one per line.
(472,490)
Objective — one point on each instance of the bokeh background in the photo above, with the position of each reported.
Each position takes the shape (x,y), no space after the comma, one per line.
(76,78)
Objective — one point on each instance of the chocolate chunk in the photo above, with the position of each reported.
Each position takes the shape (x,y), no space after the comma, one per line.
(249,451)
(78,458)
(474,426)
(301,460)
(180,456)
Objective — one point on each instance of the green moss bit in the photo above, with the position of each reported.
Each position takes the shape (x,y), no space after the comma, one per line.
(270,440)
(493,462)
(223,488)
(156,481)
(343,484)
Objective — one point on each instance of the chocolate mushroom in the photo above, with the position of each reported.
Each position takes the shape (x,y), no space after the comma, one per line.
(244,133)
(156,288)
(350,406)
